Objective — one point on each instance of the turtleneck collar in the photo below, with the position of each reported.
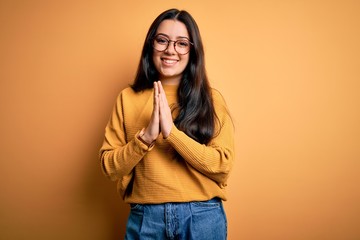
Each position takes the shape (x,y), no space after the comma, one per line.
(170,89)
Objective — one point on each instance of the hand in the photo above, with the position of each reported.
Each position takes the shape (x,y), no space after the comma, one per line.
(165,116)
(152,131)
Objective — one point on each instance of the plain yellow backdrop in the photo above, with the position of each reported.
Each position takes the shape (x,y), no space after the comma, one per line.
(289,71)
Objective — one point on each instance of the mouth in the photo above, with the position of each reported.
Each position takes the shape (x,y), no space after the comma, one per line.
(169,62)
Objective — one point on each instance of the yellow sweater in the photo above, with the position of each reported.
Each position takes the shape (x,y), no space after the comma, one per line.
(157,175)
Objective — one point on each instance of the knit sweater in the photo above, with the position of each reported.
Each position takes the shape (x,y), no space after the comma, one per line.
(175,169)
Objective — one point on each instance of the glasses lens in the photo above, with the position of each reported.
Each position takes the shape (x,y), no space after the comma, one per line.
(182,46)
(160,43)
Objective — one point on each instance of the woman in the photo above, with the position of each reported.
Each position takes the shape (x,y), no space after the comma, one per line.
(169,141)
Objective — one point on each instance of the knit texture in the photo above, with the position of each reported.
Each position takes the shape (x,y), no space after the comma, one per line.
(175,169)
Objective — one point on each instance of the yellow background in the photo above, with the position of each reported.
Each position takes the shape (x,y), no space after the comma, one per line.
(289,71)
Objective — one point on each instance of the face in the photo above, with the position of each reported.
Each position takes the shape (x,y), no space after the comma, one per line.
(169,63)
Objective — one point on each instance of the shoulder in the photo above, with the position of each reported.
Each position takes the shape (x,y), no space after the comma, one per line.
(219,102)
(128,91)
(218,98)
(129,100)
(129,94)
(221,108)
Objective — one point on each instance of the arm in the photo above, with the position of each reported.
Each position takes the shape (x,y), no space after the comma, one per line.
(118,157)
(214,160)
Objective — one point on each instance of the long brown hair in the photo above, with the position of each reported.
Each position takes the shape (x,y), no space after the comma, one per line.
(195,104)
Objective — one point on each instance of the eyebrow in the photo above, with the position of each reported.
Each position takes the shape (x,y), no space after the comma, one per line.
(165,35)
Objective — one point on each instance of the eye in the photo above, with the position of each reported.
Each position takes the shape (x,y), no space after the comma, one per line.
(161,40)
(182,43)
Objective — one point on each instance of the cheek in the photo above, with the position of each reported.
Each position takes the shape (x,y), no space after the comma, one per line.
(186,61)
(156,61)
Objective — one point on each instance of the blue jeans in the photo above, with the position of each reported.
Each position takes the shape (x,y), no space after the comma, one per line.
(183,221)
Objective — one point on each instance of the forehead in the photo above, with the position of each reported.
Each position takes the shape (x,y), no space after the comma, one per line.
(173,29)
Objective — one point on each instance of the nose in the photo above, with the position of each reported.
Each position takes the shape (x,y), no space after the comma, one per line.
(171,48)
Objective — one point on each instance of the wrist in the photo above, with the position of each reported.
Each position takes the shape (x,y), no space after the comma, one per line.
(145,138)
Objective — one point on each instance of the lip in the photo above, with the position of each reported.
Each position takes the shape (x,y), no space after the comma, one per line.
(169,61)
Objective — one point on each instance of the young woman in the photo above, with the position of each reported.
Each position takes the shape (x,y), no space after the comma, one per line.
(169,141)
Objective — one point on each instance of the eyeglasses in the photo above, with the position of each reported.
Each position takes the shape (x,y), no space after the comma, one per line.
(161,43)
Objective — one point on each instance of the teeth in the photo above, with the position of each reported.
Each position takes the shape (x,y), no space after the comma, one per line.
(169,61)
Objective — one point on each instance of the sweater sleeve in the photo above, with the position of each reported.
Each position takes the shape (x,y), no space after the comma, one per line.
(117,156)
(214,160)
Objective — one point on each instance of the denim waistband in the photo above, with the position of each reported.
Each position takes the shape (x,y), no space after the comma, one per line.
(213,200)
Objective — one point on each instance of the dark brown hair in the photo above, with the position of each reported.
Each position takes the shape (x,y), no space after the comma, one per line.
(196,111)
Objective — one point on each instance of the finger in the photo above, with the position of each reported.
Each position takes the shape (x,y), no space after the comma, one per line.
(156,96)
(161,89)
(164,111)
(163,95)
(156,106)
(156,90)
(158,86)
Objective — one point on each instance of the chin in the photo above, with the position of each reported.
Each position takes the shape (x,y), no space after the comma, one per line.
(169,75)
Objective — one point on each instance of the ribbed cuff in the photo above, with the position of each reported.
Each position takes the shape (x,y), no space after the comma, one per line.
(144,145)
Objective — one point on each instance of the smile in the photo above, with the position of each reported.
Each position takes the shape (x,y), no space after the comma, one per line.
(169,61)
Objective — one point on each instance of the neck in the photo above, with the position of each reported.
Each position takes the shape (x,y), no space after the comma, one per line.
(171,80)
